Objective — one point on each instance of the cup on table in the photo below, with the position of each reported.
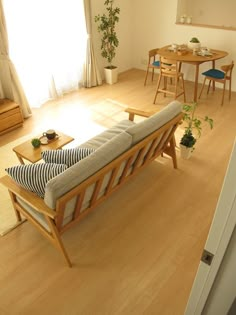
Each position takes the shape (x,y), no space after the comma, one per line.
(204,51)
(174,47)
(50,134)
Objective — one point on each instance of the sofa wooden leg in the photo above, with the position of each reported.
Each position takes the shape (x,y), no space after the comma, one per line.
(173,151)
(58,242)
(13,200)
(170,150)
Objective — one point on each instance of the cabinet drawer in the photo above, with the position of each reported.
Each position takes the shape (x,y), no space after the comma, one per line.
(10,116)
(10,120)
(9,113)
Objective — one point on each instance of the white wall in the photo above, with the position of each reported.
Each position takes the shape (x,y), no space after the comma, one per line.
(149,24)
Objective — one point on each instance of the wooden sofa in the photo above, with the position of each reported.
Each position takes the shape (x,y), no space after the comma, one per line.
(121,152)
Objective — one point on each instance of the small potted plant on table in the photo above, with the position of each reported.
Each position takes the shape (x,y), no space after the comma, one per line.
(109,39)
(193,123)
(194,43)
(36,142)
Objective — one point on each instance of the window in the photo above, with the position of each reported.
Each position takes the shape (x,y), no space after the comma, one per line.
(47,44)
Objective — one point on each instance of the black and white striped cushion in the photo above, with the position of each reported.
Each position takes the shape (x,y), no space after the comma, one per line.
(34,177)
(66,156)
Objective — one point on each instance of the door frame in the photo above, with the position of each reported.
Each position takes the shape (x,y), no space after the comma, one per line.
(220,232)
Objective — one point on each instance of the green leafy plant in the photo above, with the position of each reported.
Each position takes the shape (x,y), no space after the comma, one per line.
(193,125)
(188,140)
(194,40)
(35,142)
(106,26)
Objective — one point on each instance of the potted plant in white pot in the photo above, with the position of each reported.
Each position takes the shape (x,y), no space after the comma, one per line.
(194,43)
(109,40)
(193,124)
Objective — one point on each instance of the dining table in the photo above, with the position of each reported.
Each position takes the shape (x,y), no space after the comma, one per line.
(192,57)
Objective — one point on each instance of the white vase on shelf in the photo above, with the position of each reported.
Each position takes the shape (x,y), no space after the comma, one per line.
(189,20)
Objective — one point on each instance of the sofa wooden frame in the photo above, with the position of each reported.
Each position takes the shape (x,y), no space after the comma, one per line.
(54,218)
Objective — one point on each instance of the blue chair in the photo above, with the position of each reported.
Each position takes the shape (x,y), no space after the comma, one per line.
(220,76)
(153,62)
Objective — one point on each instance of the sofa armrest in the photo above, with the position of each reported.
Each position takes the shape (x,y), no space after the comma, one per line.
(27,196)
(133,111)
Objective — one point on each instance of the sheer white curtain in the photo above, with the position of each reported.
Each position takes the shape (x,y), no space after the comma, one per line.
(47,45)
(92,75)
(10,85)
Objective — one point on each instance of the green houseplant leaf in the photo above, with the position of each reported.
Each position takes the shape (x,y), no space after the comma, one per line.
(194,40)
(193,125)
(36,142)
(106,26)
(188,140)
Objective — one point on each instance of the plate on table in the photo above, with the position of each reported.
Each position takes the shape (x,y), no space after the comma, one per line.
(45,140)
(205,54)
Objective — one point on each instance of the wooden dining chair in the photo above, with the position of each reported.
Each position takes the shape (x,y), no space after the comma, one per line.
(220,76)
(153,63)
(170,69)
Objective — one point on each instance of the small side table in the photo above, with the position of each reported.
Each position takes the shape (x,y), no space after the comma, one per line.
(26,151)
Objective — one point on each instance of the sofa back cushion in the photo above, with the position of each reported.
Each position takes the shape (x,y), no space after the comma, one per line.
(80,171)
(108,134)
(144,128)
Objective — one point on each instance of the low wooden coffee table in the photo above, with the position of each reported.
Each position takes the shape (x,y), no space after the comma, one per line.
(26,151)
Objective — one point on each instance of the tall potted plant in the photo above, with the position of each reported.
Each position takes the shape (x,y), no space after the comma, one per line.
(193,124)
(109,40)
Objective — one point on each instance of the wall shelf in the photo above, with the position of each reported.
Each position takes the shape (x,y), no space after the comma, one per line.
(229,28)
(207,13)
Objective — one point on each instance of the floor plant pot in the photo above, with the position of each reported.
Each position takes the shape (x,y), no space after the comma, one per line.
(185,152)
(111,75)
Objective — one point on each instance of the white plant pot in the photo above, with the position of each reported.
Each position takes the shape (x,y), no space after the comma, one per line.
(185,152)
(194,45)
(111,75)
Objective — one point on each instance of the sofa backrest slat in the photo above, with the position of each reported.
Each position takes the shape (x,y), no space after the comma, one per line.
(112,179)
(152,148)
(97,188)
(127,167)
(166,138)
(79,202)
(162,142)
(139,157)
(60,217)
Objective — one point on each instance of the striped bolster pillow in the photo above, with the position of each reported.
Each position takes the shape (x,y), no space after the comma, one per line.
(34,177)
(66,156)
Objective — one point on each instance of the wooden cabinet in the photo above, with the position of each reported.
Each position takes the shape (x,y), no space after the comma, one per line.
(10,116)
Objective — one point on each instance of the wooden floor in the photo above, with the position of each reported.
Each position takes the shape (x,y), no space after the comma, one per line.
(139,251)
